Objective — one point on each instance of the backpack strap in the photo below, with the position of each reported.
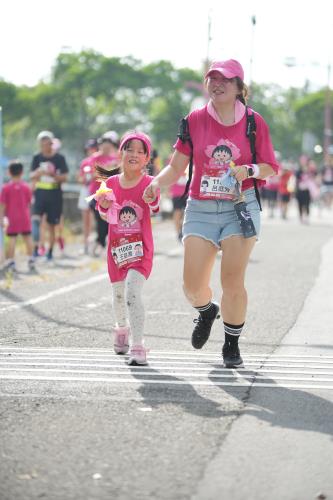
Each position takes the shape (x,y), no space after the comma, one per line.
(184,136)
(251,133)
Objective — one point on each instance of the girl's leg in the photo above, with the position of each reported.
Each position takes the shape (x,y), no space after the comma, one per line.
(199,258)
(198,262)
(236,253)
(118,303)
(121,331)
(136,312)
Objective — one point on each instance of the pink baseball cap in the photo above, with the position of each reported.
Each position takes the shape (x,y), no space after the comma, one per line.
(136,135)
(229,69)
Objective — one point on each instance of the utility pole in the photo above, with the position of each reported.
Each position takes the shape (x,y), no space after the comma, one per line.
(209,39)
(254,22)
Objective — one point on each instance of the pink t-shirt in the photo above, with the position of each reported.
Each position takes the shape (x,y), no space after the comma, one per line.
(105,161)
(130,239)
(216,145)
(16,196)
(86,170)
(177,190)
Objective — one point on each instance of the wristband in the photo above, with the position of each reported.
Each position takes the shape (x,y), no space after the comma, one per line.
(252,170)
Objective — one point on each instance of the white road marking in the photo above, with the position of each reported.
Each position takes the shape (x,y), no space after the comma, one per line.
(175,353)
(75,365)
(54,293)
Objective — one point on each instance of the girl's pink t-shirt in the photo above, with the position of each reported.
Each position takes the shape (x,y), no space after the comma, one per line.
(216,145)
(130,238)
(104,161)
(16,196)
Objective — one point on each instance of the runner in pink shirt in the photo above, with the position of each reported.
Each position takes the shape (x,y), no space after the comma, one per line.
(84,177)
(130,242)
(222,211)
(15,203)
(107,157)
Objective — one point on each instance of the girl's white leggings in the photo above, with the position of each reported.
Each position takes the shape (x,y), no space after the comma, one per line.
(127,297)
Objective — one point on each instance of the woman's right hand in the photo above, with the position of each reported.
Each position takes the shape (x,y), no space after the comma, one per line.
(151,192)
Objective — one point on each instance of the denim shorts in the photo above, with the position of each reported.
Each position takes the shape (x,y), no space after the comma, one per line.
(216,220)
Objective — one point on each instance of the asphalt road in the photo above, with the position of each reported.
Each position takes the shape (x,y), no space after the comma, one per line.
(77,423)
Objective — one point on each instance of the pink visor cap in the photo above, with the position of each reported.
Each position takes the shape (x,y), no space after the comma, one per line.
(139,136)
(229,69)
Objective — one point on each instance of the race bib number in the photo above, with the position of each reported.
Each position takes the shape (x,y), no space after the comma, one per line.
(217,184)
(48,168)
(127,250)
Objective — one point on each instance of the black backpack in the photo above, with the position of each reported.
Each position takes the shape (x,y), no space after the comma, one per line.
(251,130)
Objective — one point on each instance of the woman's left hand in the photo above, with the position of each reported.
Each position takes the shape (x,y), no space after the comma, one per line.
(239,172)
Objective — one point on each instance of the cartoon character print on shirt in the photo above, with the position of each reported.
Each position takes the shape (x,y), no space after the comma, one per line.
(126,245)
(216,180)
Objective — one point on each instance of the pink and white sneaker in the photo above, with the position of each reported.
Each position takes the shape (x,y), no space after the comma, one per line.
(137,355)
(120,340)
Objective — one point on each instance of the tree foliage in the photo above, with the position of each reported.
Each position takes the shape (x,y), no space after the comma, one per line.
(89,93)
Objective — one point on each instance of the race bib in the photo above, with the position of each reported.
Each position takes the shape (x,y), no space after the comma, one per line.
(48,168)
(217,184)
(127,249)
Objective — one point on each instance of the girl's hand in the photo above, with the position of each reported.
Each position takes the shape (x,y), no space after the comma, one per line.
(151,192)
(239,172)
(104,203)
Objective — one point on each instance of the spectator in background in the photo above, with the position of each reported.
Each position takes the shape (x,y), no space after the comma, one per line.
(326,175)
(107,157)
(48,171)
(178,204)
(271,193)
(15,201)
(84,177)
(285,188)
(154,166)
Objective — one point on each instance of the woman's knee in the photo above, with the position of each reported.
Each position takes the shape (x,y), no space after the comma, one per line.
(196,294)
(233,289)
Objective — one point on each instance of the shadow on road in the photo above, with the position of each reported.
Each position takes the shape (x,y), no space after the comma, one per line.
(183,395)
(283,407)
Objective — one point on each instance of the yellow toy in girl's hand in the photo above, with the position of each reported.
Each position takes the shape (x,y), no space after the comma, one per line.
(232,164)
(103,192)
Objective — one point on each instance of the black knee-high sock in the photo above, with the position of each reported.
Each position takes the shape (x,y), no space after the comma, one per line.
(208,311)
(232,333)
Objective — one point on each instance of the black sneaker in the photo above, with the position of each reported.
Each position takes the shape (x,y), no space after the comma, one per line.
(203,327)
(231,356)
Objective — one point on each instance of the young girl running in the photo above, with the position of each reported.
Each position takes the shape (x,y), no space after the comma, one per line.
(130,242)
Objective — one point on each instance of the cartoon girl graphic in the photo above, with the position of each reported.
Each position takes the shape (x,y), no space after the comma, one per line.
(127,216)
(222,154)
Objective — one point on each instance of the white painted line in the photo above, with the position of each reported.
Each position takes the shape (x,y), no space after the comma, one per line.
(112,355)
(166,375)
(163,366)
(153,362)
(176,353)
(54,293)
(168,382)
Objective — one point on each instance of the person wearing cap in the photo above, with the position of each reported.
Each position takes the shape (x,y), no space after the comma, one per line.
(48,171)
(223,165)
(130,242)
(106,157)
(84,177)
